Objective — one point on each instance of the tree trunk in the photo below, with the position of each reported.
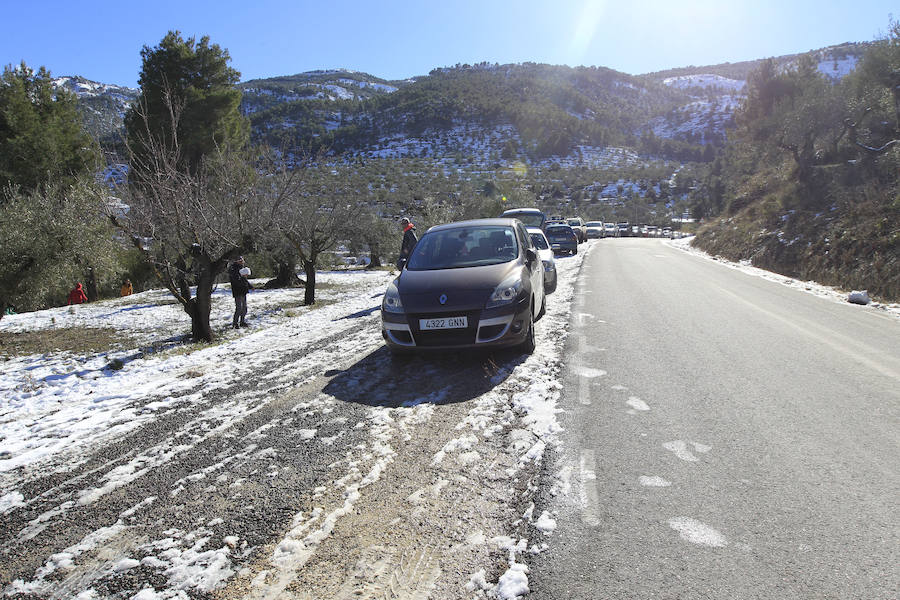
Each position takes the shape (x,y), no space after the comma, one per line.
(91,287)
(374,256)
(286,277)
(200,306)
(309,267)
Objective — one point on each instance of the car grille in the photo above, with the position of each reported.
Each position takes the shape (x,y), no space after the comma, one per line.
(445,337)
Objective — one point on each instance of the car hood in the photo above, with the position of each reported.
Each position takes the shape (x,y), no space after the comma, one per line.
(466,288)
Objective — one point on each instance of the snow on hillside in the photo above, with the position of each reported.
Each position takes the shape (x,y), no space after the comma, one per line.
(85,88)
(482,146)
(698,117)
(837,69)
(369,84)
(705,81)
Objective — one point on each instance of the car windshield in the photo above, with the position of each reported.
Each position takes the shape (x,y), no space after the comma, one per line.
(464,247)
(593,224)
(574,222)
(539,241)
(530,218)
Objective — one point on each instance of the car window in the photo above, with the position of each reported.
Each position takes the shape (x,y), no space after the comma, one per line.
(464,247)
(539,241)
(531,219)
(524,238)
(574,222)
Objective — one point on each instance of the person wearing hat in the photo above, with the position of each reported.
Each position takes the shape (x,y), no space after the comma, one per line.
(409,242)
(238,273)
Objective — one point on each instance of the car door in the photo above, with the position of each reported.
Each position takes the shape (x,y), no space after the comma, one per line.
(535,268)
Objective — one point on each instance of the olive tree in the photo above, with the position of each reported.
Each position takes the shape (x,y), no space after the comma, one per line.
(189,224)
(49,237)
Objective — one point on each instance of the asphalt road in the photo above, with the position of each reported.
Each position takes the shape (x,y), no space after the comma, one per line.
(725,437)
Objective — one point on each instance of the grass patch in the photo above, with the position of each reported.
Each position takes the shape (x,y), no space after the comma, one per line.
(292,309)
(188,346)
(79,340)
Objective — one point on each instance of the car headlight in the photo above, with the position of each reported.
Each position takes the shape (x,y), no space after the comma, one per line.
(506,292)
(392,302)
(548,265)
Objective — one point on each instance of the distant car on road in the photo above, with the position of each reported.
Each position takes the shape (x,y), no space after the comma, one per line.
(610,230)
(578,227)
(542,245)
(471,284)
(562,239)
(624,229)
(594,229)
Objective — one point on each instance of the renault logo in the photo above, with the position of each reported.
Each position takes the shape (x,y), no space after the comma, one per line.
(443,299)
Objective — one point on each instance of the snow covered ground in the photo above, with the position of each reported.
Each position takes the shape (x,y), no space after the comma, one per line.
(296,457)
(280,458)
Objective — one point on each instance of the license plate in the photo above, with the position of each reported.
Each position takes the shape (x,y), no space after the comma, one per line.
(445,323)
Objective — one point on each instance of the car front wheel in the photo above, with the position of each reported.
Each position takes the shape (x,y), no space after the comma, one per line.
(528,345)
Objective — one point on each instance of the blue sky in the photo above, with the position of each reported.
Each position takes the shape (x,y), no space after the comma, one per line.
(395,39)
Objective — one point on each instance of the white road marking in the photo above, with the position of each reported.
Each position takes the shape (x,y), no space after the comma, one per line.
(637,404)
(679,449)
(590,499)
(590,372)
(654,481)
(698,533)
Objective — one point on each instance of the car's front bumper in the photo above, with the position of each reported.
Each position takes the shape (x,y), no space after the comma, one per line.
(490,328)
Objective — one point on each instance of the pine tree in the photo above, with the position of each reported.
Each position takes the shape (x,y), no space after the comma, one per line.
(188,93)
(41,137)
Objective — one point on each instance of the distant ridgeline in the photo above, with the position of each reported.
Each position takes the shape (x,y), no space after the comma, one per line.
(524,112)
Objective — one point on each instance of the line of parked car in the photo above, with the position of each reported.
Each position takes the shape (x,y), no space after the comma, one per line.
(483,283)
(599,229)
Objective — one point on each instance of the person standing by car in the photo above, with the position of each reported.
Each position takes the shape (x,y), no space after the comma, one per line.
(409,241)
(240,287)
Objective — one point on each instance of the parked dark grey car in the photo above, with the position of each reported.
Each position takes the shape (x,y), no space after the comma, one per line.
(562,239)
(471,284)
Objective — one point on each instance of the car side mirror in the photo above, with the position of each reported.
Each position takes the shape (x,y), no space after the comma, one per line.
(530,255)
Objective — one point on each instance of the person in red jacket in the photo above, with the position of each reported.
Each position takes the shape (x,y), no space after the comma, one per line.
(77,296)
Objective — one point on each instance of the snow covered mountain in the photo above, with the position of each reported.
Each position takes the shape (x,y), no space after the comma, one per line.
(102,105)
(487,111)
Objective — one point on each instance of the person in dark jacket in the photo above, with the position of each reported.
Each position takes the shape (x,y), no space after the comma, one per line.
(409,241)
(240,287)
(77,296)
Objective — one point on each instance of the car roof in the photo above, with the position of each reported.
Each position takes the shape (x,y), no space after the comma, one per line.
(559,226)
(534,230)
(529,210)
(498,222)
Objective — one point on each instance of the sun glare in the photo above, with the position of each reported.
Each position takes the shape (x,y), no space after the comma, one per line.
(586,28)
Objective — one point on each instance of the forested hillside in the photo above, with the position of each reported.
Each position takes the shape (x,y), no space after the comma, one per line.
(807,185)
(549,110)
